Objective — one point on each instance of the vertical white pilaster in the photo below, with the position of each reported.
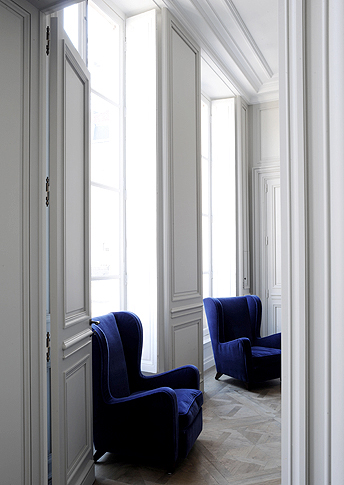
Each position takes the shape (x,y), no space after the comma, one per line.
(312,175)
(336,99)
(294,245)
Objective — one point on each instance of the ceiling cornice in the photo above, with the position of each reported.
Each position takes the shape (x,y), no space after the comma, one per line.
(228,43)
(229,46)
(248,37)
(239,87)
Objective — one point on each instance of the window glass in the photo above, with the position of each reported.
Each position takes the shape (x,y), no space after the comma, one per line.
(105,244)
(218,197)
(223,198)
(105,296)
(103,53)
(107,217)
(71,23)
(105,132)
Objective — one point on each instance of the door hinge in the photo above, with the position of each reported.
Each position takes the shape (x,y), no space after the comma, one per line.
(266,240)
(47,191)
(267,294)
(47,38)
(47,344)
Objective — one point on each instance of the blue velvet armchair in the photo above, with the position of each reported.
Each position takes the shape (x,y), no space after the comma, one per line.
(150,419)
(239,351)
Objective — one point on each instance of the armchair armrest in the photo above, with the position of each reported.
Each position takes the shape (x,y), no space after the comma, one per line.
(185,377)
(237,355)
(145,425)
(271,341)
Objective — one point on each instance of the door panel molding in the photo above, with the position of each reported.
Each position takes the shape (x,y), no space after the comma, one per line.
(186,310)
(78,423)
(77,272)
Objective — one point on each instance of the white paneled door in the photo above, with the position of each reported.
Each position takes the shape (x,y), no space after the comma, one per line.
(71,356)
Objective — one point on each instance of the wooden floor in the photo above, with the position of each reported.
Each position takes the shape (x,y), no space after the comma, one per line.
(239,444)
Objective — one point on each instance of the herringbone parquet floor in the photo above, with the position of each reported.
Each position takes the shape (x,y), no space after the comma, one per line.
(239,444)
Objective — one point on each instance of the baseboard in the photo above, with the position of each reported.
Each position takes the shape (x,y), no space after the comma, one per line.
(90,477)
(208,356)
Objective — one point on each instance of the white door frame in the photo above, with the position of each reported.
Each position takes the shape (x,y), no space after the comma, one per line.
(295,460)
(294,245)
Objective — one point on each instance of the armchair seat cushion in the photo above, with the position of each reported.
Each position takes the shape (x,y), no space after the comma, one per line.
(189,404)
(266,355)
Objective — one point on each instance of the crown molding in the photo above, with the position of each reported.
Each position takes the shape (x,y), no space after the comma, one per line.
(248,37)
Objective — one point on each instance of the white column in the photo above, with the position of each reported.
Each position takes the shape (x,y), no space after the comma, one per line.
(312,175)
(294,249)
(336,125)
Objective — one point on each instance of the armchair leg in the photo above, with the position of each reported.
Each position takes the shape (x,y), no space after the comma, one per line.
(218,375)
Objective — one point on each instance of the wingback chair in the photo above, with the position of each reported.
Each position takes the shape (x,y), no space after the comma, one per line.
(239,351)
(154,419)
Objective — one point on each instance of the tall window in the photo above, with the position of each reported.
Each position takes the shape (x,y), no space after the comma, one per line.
(123,163)
(141,178)
(104,42)
(219,197)
(107,189)
(206,198)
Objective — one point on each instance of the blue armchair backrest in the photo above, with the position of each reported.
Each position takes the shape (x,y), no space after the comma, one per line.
(255,309)
(114,368)
(233,317)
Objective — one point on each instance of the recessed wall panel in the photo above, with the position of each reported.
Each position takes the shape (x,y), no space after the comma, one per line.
(269,143)
(184,167)
(186,344)
(277,236)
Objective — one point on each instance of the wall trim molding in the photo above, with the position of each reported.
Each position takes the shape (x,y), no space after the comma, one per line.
(186,310)
(242,189)
(334,169)
(295,353)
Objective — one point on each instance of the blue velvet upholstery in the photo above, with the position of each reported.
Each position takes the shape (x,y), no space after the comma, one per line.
(154,419)
(239,351)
